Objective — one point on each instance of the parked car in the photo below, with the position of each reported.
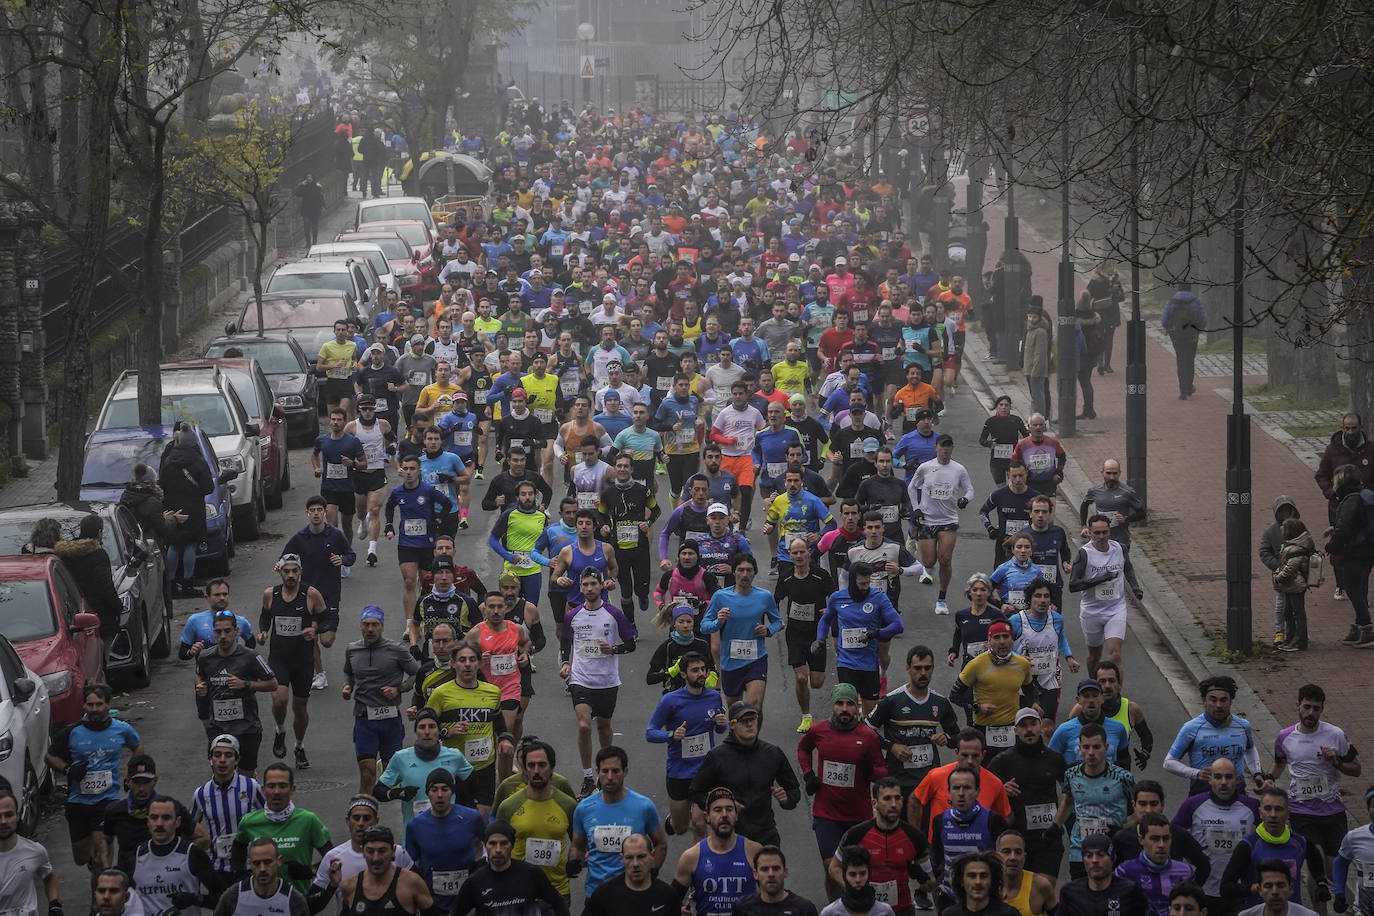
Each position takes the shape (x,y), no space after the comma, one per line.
(376,258)
(308,316)
(250,384)
(52,628)
(140,576)
(205,396)
(25,722)
(420,237)
(387,209)
(291,375)
(109,463)
(400,256)
(354,276)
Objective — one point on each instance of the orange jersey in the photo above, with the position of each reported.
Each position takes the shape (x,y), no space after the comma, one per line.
(500,649)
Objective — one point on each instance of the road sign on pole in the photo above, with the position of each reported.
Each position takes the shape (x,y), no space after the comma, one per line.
(588,70)
(917,124)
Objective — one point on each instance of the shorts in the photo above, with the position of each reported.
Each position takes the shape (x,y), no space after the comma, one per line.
(679,789)
(373,738)
(742,466)
(867,683)
(928,532)
(1049,702)
(338,389)
(1099,627)
(483,784)
(293,673)
(732,681)
(248,747)
(420,556)
(600,700)
(342,501)
(509,704)
(447,524)
(799,635)
(1326,830)
(527,682)
(84,821)
(828,835)
(328,622)
(365,482)
(770,490)
(893,373)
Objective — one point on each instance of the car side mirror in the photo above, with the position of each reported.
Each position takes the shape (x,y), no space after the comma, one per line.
(253,429)
(278,412)
(24,688)
(136,558)
(226,476)
(85,621)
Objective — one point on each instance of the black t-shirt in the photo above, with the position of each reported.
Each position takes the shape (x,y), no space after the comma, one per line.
(790,905)
(516,890)
(129,826)
(1037,775)
(613,898)
(1120,898)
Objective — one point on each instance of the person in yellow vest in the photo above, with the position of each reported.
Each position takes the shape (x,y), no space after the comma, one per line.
(545,402)
(1026,892)
(357,158)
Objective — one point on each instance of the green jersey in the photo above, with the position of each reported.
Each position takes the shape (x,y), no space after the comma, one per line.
(297,839)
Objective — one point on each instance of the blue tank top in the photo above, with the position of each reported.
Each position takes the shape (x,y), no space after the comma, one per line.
(721,878)
(579,562)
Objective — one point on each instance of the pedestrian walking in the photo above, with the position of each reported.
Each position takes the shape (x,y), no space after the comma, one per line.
(1183,320)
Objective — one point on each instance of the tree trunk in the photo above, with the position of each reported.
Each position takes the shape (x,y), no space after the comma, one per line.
(150,348)
(1282,358)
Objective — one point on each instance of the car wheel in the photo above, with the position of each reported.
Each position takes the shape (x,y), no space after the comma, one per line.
(140,673)
(162,646)
(285,471)
(246,521)
(261,505)
(29,798)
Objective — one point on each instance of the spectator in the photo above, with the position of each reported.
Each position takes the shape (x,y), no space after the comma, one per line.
(86,559)
(185,480)
(1352,550)
(1348,445)
(1183,319)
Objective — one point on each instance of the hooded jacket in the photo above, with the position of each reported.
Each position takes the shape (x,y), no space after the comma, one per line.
(1037,352)
(89,564)
(144,499)
(1347,535)
(1338,453)
(1291,575)
(185,480)
(1272,538)
(1183,313)
(750,771)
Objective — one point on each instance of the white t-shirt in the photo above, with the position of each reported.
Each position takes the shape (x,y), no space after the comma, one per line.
(941,486)
(1107,597)
(590,628)
(743,425)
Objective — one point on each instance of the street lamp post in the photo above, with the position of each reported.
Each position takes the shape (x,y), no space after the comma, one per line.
(1135,328)
(586,33)
(1068,338)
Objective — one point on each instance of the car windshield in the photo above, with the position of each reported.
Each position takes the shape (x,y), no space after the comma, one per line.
(245,389)
(209,411)
(15,532)
(26,611)
(377,213)
(314,279)
(376,258)
(413,233)
(111,464)
(294,313)
(395,249)
(274,356)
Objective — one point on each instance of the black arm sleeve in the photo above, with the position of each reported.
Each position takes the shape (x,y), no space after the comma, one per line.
(1147,738)
(658,666)
(317,898)
(1234,883)
(1187,848)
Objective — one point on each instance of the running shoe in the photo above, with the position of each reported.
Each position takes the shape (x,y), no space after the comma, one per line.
(319,682)
(302,761)
(279,745)
(941,607)
(463,523)
(805,725)
(926,579)
(1340,594)
(588,787)
(371,558)
(921,900)
(477,475)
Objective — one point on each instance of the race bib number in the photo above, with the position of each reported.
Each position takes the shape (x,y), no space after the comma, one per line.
(802,611)
(889,353)
(911,413)
(556,250)
(856,449)
(889,514)
(584,306)
(1017,597)
(447,883)
(839,775)
(479,396)
(543,852)
(568,386)
(885,892)
(376,713)
(419,377)
(224,846)
(1367,878)
(287,626)
(1105,591)
(1040,461)
(942,491)
(522,559)
(627,533)
(1049,571)
(373,453)
(744,649)
(587,500)
(1221,840)
(1001,736)
(415,527)
(608,837)
(382,406)
(463,437)
(775,469)
(589,648)
(336,472)
(1304,788)
(853,638)
(694,746)
(664,383)
(1002,451)
(1039,817)
(922,757)
(503,664)
(975,648)
(1042,660)
(543,414)
(98,781)
(419,806)
(477,750)
(686,436)
(227,710)
(1013,525)
(1093,826)
(860,316)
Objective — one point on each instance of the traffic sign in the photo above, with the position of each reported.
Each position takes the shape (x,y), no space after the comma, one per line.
(588,70)
(917,124)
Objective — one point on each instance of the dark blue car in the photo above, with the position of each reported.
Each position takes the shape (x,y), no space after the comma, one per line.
(110,458)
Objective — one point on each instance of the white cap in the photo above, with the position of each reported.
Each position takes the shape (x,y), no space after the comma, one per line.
(1025,712)
(717,507)
(841,260)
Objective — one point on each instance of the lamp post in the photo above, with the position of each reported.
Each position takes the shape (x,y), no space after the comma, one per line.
(1238,486)
(586,33)
(1135,328)
(1068,338)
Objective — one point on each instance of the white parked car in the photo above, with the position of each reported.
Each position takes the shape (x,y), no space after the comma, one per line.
(24,721)
(389,209)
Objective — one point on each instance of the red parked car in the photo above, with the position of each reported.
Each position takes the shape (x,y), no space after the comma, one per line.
(421,240)
(52,628)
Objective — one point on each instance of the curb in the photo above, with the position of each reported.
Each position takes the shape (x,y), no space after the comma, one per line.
(1166,617)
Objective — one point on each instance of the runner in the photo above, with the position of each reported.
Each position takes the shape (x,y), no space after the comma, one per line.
(290,612)
(700,715)
(333,457)
(229,677)
(734,429)
(264,891)
(541,815)
(586,552)
(335,361)
(860,619)
(939,489)
(446,472)
(1102,570)
(468,709)
(220,803)
(800,590)
(422,506)
(369,478)
(997,683)
(326,556)
(715,550)
(795,513)
(607,818)
(167,870)
(744,616)
(1031,774)
(408,769)
(376,670)
(346,859)
(627,509)
(445,840)
(298,834)
(716,868)
(505,651)
(443,606)
(501,885)
(1038,636)
(383,887)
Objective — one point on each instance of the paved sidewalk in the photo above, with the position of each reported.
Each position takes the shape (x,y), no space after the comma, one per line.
(1185,539)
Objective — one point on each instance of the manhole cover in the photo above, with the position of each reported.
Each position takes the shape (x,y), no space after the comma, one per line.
(317,785)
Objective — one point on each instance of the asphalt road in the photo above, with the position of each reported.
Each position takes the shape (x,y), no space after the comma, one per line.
(164,713)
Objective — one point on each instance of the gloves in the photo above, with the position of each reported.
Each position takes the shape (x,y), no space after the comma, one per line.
(389,531)
(574,867)
(813,783)
(1323,892)
(184,900)
(1142,759)
(675,668)
(871,635)
(417,653)
(817,646)
(1340,904)
(407,793)
(1139,595)
(299,871)
(75,773)
(992,534)
(962,502)
(712,679)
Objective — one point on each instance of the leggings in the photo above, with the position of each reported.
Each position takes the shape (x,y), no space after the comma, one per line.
(633,575)
(681,467)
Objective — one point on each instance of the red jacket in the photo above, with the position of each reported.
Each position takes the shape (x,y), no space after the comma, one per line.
(847,763)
